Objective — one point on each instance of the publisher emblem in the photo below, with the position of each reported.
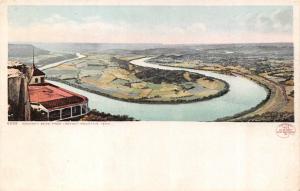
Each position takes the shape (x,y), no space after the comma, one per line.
(285,130)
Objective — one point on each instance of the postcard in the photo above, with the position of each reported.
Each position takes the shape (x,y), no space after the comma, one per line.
(128,95)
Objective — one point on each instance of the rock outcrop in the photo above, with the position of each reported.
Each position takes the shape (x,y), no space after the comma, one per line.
(18,95)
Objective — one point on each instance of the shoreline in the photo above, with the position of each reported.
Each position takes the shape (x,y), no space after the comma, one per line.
(238,116)
(220,93)
(55,64)
(271,90)
(145,101)
(243,114)
(251,111)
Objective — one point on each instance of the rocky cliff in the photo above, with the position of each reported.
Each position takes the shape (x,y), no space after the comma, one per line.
(18,95)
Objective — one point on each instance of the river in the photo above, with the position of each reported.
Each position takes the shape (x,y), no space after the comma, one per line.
(243,94)
(61,62)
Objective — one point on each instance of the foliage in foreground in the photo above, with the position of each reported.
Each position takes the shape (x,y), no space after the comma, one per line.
(271,117)
(95,115)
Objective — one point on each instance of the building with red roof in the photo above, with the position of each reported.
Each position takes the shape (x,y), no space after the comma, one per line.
(53,102)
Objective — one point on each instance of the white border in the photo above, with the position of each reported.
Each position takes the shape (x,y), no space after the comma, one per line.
(147,155)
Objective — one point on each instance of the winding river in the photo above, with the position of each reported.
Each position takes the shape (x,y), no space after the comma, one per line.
(61,62)
(243,94)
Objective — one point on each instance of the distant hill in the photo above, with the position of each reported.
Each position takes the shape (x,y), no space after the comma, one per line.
(23,53)
(24,50)
(94,47)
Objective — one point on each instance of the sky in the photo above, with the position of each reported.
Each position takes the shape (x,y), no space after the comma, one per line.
(151,24)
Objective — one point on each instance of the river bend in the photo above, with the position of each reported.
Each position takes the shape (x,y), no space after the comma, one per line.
(243,95)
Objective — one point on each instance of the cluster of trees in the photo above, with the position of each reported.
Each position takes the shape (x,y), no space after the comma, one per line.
(122,63)
(272,117)
(95,115)
(158,76)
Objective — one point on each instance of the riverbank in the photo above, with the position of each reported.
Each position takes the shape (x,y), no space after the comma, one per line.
(122,80)
(79,56)
(235,101)
(274,102)
(220,93)
(271,105)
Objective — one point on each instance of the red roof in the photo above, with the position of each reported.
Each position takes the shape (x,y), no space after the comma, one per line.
(53,97)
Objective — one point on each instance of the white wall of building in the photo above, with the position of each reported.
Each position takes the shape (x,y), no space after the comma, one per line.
(36,79)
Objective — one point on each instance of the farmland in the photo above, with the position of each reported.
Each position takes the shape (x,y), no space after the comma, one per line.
(114,76)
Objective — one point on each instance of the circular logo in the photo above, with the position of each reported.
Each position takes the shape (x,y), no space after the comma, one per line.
(285,130)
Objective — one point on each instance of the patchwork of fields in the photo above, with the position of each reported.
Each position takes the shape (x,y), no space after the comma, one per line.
(114,76)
